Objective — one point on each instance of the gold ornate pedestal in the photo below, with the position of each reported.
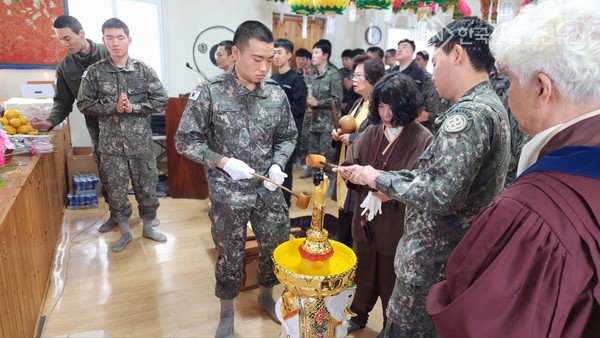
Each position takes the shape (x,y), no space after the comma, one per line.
(318,275)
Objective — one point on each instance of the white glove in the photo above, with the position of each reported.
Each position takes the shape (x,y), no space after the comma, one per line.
(237,169)
(276,175)
(372,204)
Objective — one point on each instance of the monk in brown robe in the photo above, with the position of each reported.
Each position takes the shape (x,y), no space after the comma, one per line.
(529,265)
(394,141)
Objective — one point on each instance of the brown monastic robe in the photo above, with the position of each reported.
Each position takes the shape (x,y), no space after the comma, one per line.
(388,227)
(375,275)
(529,265)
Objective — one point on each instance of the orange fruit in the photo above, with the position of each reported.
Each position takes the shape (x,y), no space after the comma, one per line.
(9,129)
(11,113)
(23,129)
(15,122)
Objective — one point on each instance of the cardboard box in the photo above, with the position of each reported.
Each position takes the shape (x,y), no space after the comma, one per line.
(250,262)
(250,266)
(80,161)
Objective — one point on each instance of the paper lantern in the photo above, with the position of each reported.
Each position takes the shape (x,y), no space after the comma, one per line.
(399,5)
(373,4)
(329,6)
(485,9)
(302,7)
(463,8)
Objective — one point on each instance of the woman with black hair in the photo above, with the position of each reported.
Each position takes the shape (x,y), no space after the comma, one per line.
(365,73)
(394,141)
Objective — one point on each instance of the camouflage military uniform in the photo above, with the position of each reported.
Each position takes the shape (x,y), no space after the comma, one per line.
(500,83)
(326,88)
(68,80)
(225,119)
(460,172)
(305,135)
(304,138)
(518,139)
(345,73)
(432,102)
(125,142)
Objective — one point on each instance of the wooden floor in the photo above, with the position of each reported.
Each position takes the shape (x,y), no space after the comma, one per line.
(151,289)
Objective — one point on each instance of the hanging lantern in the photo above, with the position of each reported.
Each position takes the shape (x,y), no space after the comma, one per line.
(352,11)
(331,6)
(399,5)
(463,8)
(302,7)
(432,5)
(486,6)
(373,4)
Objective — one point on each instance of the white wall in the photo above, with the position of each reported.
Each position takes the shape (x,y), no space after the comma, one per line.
(184,20)
(11,79)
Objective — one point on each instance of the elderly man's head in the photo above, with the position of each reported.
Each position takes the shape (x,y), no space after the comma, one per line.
(551,51)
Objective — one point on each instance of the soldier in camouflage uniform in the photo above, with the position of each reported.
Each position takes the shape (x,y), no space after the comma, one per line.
(234,124)
(433,105)
(500,83)
(349,96)
(325,88)
(82,53)
(123,92)
(306,122)
(460,172)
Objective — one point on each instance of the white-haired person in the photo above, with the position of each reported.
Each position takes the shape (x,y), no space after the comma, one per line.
(529,265)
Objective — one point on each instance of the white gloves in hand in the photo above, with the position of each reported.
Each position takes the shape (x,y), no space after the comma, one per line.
(276,175)
(237,169)
(371,204)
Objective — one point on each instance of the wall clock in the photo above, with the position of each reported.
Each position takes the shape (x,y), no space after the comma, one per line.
(373,35)
(209,36)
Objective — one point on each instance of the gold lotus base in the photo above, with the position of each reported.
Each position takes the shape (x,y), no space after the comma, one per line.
(288,267)
(316,242)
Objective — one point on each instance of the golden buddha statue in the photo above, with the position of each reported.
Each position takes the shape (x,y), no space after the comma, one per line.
(318,275)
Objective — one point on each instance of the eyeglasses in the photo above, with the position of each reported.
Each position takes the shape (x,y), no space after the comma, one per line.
(357,75)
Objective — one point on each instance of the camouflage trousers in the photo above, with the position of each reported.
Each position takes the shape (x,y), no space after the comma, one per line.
(94,135)
(270,224)
(406,312)
(115,172)
(303,139)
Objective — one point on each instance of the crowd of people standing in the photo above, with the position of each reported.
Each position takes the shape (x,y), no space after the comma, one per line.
(470,195)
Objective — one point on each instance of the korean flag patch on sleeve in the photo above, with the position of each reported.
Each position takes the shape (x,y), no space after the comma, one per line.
(194,95)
